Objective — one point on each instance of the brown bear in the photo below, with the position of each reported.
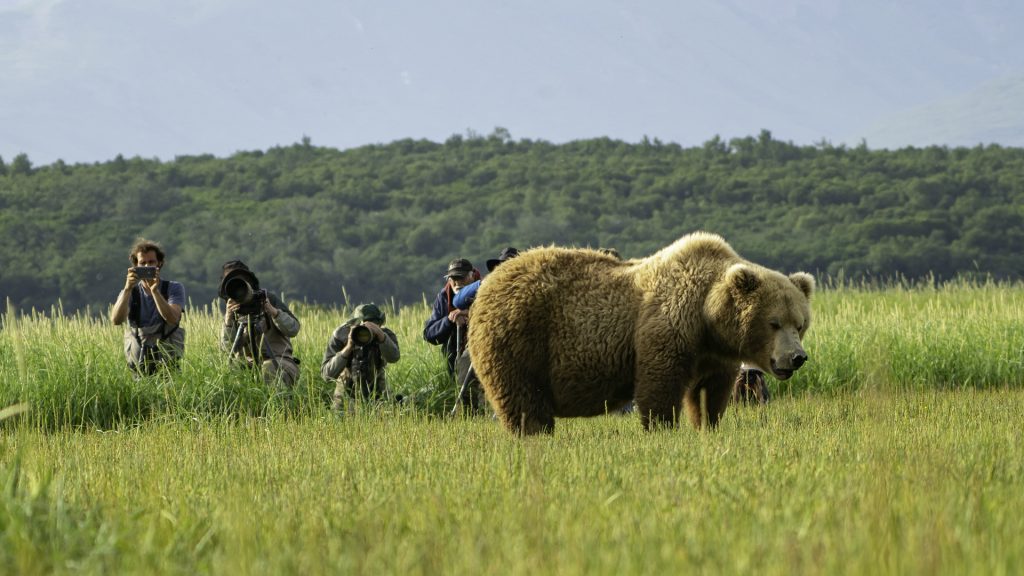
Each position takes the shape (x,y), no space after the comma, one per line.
(576,332)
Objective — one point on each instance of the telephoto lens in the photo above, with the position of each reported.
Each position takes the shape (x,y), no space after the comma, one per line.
(238,290)
(361,335)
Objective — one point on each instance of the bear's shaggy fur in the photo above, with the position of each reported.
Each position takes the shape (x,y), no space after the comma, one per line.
(575,332)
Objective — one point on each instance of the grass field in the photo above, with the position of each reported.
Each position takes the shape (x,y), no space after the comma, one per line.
(897,450)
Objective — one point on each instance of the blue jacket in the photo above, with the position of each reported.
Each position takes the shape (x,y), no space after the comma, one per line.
(438,330)
(464,299)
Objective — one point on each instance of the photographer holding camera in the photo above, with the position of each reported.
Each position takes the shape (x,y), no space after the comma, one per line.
(258,326)
(357,354)
(153,309)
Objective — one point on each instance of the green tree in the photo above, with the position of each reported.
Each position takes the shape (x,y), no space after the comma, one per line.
(21,165)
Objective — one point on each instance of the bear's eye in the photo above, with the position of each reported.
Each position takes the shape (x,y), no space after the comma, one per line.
(775,324)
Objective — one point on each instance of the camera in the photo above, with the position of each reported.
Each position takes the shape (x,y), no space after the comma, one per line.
(250,300)
(145,272)
(361,335)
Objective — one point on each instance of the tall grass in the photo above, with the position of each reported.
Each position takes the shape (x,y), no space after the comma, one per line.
(72,372)
(70,368)
(914,336)
(895,451)
(872,482)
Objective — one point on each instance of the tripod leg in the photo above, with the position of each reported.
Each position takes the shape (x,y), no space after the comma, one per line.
(238,340)
(268,353)
(462,390)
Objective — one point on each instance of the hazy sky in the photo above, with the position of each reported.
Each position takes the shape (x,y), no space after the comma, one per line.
(85,80)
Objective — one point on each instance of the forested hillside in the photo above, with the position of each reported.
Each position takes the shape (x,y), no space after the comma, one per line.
(384,220)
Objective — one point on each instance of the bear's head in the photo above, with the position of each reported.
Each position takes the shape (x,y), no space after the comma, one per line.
(761,316)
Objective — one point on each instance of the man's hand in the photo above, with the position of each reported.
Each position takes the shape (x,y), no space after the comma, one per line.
(459,317)
(151,284)
(377,332)
(131,280)
(269,308)
(230,308)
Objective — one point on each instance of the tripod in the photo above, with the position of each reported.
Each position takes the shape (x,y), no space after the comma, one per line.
(470,372)
(470,375)
(258,350)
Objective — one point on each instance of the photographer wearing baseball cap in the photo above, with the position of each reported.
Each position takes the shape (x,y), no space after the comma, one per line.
(448,326)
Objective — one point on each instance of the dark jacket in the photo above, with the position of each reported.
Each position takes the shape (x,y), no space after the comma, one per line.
(438,330)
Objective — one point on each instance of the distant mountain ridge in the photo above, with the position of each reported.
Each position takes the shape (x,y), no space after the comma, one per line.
(993,113)
(84,82)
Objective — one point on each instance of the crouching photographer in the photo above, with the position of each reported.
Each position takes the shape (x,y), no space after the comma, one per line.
(357,354)
(258,326)
(153,308)
(751,387)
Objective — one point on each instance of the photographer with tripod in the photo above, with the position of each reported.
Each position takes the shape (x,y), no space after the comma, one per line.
(258,326)
(153,309)
(357,354)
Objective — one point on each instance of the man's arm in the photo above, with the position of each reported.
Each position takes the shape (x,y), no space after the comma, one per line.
(283,319)
(170,311)
(387,342)
(389,347)
(337,355)
(437,328)
(119,313)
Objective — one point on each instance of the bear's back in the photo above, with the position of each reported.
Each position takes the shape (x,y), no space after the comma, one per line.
(556,285)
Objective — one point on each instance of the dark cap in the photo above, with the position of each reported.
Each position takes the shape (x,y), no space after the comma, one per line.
(233,265)
(459,268)
(368,313)
(506,254)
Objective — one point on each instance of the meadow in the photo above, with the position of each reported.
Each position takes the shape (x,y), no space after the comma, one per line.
(896,450)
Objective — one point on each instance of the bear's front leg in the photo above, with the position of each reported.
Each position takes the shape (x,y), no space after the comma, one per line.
(707,401)
(526,409)
(659,394)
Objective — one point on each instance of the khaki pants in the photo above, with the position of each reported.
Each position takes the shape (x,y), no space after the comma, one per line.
(170,349)
(346,390)
(285,374)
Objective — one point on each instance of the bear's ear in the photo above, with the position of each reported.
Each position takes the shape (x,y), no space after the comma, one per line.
(803,281)
(742,279)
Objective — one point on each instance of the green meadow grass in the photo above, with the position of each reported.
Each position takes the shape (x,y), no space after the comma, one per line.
(864,483)
(896,450)
(70,369)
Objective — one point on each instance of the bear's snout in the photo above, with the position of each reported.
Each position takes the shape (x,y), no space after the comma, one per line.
(784,367)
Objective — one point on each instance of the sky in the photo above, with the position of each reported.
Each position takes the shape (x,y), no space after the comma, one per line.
(86,80)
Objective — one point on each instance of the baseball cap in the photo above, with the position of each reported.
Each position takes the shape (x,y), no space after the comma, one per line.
(368,313)
(459,268)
